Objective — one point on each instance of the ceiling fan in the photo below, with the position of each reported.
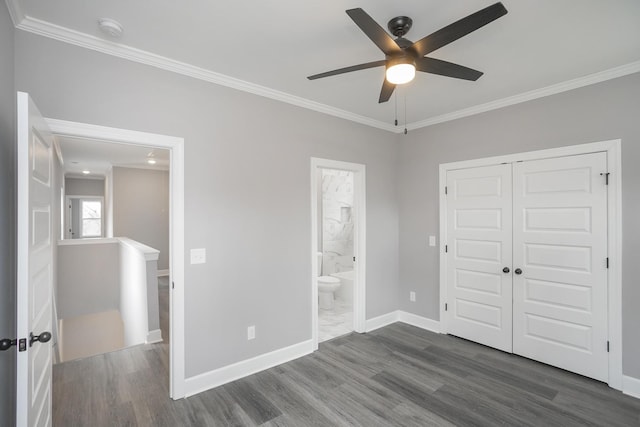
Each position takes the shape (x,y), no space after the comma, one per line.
(404,57)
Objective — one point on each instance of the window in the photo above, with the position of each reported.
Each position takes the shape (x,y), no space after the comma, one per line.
(91,219)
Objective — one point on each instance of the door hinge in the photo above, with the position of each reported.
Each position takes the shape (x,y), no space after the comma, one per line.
(173,285)
(446,306)
(607,262)
(606,177)
(446,248)
(445,189)
(607,346)
(354,259)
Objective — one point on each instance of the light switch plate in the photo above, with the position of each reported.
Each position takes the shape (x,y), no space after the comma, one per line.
(198,256)
(432,240)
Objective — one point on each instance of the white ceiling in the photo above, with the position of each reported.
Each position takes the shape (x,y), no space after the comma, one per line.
(98,157)
(276,44)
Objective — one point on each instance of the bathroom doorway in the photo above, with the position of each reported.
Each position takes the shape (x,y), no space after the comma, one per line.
(338,241)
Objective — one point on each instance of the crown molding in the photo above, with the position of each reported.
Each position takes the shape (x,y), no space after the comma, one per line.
(590,79)
(15,11)
(66,35)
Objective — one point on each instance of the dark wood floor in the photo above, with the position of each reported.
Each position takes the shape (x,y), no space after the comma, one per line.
(396,376)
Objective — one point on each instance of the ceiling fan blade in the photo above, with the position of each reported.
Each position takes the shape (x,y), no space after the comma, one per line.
(449,69)
(458,29)
(375,32)
(348,69)
(386,92)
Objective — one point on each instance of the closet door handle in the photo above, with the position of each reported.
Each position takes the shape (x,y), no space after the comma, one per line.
(518,271)
(506,270)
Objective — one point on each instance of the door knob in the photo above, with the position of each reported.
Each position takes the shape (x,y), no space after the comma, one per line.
(43,337)
(7,343)
(506,270)
(518,271)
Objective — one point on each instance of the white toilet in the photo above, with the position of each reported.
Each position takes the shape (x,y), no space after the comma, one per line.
(327,285)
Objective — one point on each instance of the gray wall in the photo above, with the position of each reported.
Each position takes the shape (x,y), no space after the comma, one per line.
(605,111)
(141,208)
(7,216)
(247,195)
(88,278)
(84,186)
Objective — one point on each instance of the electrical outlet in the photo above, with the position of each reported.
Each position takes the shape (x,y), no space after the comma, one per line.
(432,240)
(412,296)
(251,332)
(198,256)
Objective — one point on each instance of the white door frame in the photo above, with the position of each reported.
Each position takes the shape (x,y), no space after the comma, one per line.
(359,242)
(176,245)
(614,232)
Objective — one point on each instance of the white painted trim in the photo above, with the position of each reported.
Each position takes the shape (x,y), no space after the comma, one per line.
(176,250)
(15,10)
(226,374)
(404,317)
(382,321)
(147,252)
(614,214)
(163,273)
(631,386)
(599,77)
(108,189)
(66,35)
(419,321)
(154,336)
(96,241)
(614,233)
(359,242)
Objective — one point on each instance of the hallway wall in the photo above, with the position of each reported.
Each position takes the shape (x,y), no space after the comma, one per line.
(247,163)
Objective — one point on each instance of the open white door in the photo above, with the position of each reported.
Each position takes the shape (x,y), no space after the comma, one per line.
(34,250)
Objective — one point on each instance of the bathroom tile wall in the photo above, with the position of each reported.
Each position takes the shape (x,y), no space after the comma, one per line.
(337,221)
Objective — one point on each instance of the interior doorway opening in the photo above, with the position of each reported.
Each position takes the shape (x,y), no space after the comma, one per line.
(338,242)
(170,278)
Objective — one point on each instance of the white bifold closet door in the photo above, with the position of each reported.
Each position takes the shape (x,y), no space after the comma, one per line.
(560,245)
(526,260)
(479,248)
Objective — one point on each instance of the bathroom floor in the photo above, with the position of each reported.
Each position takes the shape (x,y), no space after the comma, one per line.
(335,322)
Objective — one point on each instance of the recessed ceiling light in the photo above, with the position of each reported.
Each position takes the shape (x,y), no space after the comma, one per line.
(86,172)
(110,27)
(151,162)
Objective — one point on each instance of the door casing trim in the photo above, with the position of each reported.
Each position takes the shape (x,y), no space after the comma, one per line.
(359,239)
(176,224)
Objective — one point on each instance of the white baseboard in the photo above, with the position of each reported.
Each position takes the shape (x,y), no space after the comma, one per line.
(381,321)
(164,272)
(631,386)
(405,317)
(154,336)
(226,374)
(419,321)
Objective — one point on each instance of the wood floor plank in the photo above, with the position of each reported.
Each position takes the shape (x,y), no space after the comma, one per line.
(399,375)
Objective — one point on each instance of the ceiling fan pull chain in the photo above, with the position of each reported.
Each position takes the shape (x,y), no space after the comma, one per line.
(395,98)
(405,112)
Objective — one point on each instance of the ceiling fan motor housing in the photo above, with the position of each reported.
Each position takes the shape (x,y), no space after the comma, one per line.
(400,25)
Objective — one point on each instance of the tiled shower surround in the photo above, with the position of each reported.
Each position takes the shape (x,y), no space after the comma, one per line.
(337,221)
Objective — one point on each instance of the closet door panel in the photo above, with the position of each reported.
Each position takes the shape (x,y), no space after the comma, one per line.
(559,244)
(479,248)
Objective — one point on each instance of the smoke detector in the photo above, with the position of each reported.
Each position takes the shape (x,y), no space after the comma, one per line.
(110,27)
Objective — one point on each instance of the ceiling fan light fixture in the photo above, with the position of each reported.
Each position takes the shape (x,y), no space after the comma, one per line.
(401,72)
